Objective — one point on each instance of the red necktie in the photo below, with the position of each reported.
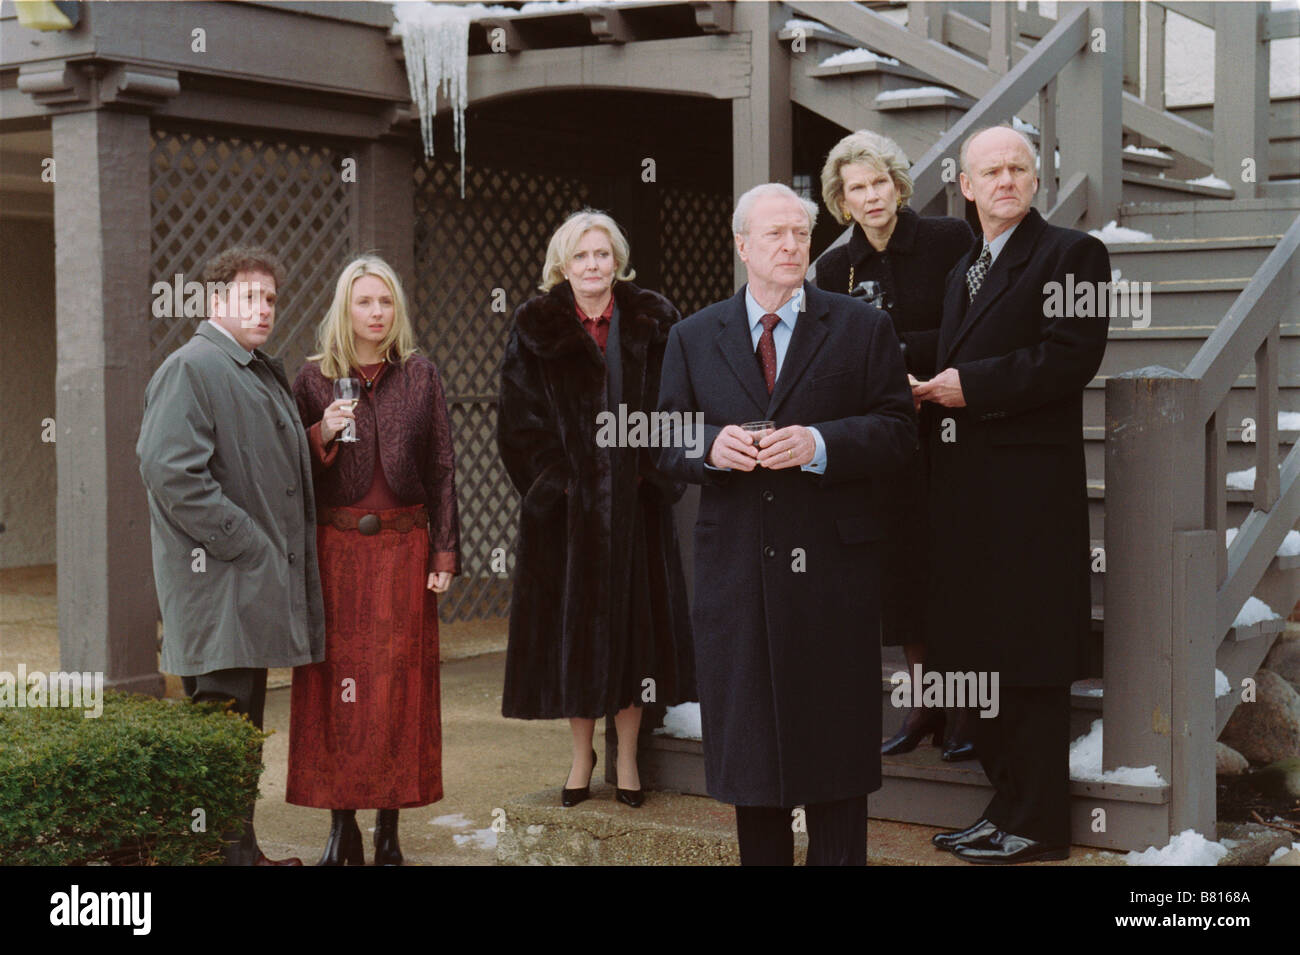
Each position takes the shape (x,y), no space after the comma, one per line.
(767,350)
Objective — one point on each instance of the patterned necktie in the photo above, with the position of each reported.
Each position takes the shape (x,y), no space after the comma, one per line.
(975,274)
(767,350)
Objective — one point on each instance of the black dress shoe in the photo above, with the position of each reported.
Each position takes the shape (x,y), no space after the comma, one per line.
(954,751)
(1004,848)
(571,797)
(948,841)
(630,797)
(919,724)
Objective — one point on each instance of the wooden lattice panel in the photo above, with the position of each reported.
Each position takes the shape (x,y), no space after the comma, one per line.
(493,238)
(210,192)
(695,231)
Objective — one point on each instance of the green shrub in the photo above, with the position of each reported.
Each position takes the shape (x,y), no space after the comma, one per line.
(122,788)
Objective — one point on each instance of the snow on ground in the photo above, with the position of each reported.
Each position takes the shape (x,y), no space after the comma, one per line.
(478,839)
(1221,685)
(1280,851)
(1112,232)
(888,95)
(858,55)
(1085,763)
(454,821)
(1253,611)
(681,722)
(1189,847)
(1209,181)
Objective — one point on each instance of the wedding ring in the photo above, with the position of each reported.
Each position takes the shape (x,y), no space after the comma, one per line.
(790,452)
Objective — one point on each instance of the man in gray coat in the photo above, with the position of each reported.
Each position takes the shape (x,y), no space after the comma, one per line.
(225,462)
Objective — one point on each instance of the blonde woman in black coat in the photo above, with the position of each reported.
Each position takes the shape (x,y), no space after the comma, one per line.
(598,617)
(865,182)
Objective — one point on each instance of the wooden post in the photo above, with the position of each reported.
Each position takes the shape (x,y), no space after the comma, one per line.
(386,203)
(1047,182)
(1154,91)
(1191,665)
(1241,96)
(1002,35)
(761,138)
(926,19)
(1153,491)
(1089,92)
(108,610)
(1133,47)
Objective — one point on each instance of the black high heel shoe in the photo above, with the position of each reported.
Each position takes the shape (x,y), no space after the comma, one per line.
(958,745)
(343,847)
(387,851)
(630,797)
(918,724)
(571,797)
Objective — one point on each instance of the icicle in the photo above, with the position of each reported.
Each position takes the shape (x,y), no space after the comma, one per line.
(435,42)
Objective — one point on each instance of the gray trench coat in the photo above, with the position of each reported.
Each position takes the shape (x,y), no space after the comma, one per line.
(225,462)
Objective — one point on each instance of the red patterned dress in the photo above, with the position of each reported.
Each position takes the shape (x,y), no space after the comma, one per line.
(365,727)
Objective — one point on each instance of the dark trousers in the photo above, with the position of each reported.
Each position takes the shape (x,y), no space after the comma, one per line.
(837,833)
(247,687)
(1025,751)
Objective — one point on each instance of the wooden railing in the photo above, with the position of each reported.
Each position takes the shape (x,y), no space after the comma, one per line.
(1173,588)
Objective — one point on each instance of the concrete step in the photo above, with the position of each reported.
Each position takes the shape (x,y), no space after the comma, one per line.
(1174,347)
(1206,218)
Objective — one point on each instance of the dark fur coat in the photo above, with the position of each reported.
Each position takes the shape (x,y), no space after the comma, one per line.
(599,600)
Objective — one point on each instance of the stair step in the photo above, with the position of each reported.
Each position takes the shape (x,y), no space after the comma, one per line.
(1177,185)
(1205,217)
(1149,160)
(922,97)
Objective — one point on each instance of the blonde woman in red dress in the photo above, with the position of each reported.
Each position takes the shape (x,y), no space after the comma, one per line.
(365,728)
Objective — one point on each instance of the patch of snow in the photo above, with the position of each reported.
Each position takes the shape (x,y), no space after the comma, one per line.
(1085,763)
(478,839)
(1290,545)
(857,55)
(1147,151)
(1288,420)
(535,830)
(1221,685)
(1112,232)
(1280,851)
(1020,124)
(1209,181)
(794,23)
(681,722)
(454,821)
(1189,847)
(888,95)
(1242,480)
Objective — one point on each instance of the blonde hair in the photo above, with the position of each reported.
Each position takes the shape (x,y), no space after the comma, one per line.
(564,243)
(336,350)
(870,149)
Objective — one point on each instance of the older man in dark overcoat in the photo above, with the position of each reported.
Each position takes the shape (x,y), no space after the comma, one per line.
(1009,506)
(789,535)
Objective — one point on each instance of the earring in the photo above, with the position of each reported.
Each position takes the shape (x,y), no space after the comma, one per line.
(848,217)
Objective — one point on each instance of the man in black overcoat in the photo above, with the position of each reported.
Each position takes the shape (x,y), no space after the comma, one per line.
(789,534)
(1023,333)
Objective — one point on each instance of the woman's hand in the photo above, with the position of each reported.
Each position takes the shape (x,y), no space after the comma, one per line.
(439,581)
(336,416)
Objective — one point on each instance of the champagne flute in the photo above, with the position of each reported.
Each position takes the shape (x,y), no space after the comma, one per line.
(348,389)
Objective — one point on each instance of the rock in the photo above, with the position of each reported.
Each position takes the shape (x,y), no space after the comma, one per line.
(1291,858)
(1269,728)
(1229,762)
(1250,844)
(1284,659)
(1280,780)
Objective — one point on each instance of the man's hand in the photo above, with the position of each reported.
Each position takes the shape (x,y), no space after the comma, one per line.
(439,581)
(791,447)
(943,389)
(914,383)
(733,448)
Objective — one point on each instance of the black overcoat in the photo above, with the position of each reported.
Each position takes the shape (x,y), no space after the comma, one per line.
(911,269)
(787,562)
(599,600)
(1008,493)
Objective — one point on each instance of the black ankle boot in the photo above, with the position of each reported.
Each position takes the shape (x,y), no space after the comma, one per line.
(387,851)
(343,847)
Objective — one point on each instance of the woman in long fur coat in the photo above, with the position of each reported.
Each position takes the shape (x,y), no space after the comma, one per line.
(598,620)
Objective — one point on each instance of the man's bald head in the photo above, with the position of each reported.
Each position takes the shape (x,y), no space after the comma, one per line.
(1000,135)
